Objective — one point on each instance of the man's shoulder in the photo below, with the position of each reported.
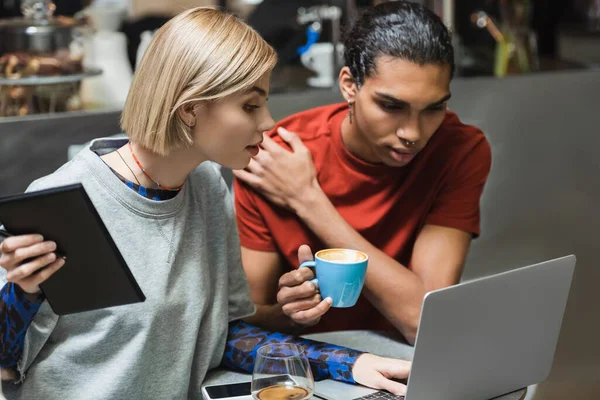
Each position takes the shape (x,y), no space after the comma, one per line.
(458,143)
(460,137)
(454,124)
(309,125)
(459,132)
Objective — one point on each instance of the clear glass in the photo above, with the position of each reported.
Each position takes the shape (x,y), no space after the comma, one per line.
(282,372)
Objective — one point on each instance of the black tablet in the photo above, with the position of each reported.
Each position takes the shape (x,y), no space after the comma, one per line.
(95,274)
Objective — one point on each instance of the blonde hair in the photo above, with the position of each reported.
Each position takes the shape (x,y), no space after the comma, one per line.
(202,54)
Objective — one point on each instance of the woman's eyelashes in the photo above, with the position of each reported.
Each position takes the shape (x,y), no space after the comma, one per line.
(251,107)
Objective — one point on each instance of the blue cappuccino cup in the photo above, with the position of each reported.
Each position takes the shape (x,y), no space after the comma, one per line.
(340,274)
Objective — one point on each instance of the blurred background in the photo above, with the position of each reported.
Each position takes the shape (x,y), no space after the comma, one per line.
(527,75)
(492,38)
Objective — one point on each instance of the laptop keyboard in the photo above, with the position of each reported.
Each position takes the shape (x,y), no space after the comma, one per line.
(380,396)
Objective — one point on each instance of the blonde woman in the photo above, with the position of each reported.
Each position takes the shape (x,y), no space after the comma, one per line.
(199,95)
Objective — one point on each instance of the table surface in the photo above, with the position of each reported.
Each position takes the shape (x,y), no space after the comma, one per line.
(373,342)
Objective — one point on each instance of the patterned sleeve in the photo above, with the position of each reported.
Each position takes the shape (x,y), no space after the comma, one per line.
(326,360)
(16,314)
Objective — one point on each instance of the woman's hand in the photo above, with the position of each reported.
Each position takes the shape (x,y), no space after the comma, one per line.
(29,261)
(377,372)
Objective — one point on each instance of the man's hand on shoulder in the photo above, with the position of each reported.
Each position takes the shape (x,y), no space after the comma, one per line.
(284,177)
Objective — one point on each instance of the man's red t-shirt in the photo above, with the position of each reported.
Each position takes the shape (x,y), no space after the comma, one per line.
(388,206)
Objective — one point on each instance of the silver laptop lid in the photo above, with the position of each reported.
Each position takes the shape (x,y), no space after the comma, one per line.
(490,336)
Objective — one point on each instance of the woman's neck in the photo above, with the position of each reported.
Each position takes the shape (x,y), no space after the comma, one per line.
(169,171)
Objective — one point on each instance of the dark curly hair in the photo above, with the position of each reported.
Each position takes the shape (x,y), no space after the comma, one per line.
(402,29)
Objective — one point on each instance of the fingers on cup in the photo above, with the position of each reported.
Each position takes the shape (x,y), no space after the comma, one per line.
(312,316)
(304,253)
(297,277)
(302,292)
(301,305)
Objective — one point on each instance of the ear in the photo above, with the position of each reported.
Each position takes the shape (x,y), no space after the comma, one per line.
(188,113)
(347,84)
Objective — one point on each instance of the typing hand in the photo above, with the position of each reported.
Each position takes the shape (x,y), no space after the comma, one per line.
(379,373)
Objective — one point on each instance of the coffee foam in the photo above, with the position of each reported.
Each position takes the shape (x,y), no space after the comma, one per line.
(341,255)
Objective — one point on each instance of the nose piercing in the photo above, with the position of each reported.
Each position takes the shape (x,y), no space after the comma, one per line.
(408,143)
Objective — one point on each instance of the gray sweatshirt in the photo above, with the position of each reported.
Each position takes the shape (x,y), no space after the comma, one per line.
(184,254)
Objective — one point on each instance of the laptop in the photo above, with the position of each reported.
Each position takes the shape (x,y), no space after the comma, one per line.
(482,338)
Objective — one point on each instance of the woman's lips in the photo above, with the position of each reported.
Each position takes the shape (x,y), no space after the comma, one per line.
(253,150)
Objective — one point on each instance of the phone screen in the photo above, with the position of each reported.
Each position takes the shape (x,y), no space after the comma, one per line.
(229,390)
(242,389)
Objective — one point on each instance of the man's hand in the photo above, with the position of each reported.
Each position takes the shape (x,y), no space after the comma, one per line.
(300,299)
(284,177)
(377,372)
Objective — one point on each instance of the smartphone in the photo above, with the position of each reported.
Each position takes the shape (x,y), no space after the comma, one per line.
(239,391)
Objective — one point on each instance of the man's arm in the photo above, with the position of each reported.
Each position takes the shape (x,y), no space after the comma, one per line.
(439,255)
(397,292)
(292,312)
(263,269)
